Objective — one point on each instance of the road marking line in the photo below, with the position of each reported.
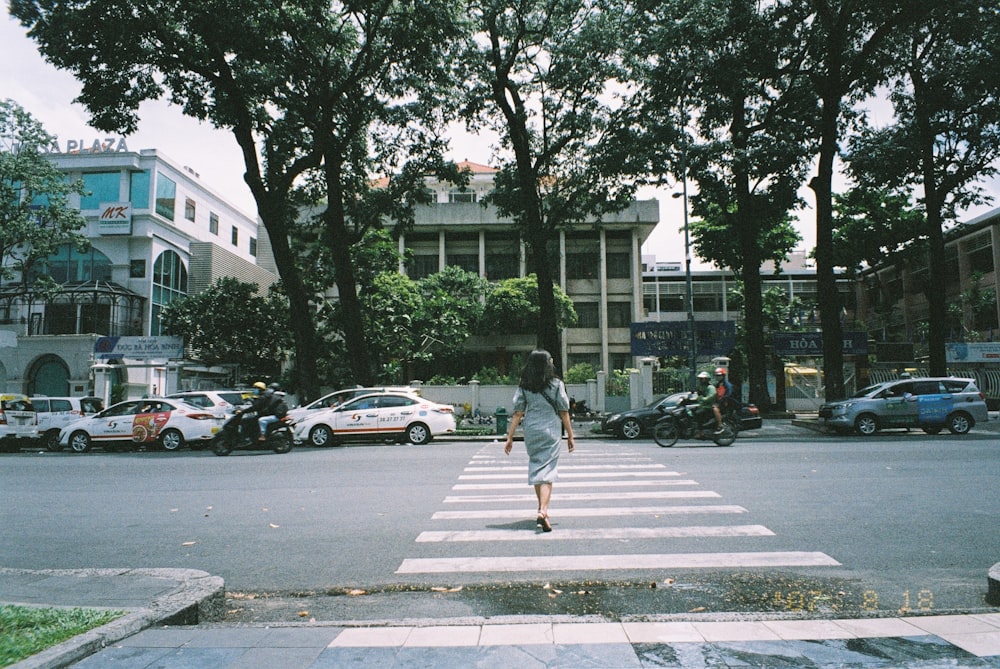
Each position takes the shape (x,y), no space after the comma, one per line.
(574,484)
(566,467)
(569,475)
(577,497)
(593,512)
(700,531)
(547,563)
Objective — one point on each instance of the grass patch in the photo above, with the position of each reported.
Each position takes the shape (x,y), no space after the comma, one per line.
(26,630)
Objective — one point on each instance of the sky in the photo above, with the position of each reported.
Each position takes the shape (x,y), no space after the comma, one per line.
(48,93)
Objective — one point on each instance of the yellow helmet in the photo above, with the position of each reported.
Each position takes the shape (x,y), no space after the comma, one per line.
(260,385)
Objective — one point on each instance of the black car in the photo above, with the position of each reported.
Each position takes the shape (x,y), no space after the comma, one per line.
(634,423)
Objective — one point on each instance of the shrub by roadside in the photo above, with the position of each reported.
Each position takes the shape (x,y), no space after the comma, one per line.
(26,630)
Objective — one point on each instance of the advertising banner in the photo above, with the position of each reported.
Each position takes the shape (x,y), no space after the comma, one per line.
(139,348)
(116,218)
(650,339)
(979,351)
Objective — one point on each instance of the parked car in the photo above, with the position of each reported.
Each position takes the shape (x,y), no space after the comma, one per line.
(128,425)
(930,403)
(55,413)
(18,422)
(225,401)
(338,397)
(392,416)
(635,423)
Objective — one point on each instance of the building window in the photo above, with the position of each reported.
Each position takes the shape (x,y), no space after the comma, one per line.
(253,246)
(100,187)
(139,190)
(619,266)
(619,314)
(501,266)
(421,266)
(467,261)
(166,194)
(189,209)
(137,268)
(68,265)
(587,315)
(213,223)
(169,284)
(235,237)
(621,360)
(462,196)
(981,254)
(582,265)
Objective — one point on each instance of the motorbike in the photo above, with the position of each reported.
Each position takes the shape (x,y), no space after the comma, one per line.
(240,432)
(679,422)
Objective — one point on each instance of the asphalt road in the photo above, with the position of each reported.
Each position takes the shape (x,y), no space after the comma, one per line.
(811,524)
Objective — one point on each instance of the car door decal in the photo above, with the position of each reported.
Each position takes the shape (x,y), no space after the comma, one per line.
(146,426)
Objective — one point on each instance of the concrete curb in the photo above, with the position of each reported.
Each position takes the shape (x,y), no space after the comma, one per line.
(993,582)
(197,597)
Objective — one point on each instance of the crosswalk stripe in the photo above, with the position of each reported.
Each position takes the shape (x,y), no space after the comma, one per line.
(547,563)
(700,531)
(566,468)
(593,512)
(577,497)
(570,475)
(573,484)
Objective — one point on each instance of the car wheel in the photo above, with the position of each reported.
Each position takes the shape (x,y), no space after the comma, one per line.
(418,434)
(866,424)
(630,429)
(79,442)
(321,435)
(960,423)
(51,440)
(171,440)
(932,430)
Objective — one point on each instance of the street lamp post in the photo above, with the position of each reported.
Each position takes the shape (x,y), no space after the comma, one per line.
(689,295)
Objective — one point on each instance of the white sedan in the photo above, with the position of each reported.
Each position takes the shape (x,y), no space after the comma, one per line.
(134,423)
(384,416)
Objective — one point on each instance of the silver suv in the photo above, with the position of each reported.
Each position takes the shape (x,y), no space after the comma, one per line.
(930,403)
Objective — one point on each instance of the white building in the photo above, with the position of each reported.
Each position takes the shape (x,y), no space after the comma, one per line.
(157,233)
(599,267)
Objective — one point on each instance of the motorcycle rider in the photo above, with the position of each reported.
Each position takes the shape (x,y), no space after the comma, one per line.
(251,413)
(270,412)
(724,393)
(707,399)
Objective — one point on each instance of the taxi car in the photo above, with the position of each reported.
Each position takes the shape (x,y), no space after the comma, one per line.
(399,417)
(18,422)
(331,400)
(930,403)
(169,424)
(226,401)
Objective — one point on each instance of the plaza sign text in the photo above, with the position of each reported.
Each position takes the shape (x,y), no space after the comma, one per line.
(98,145)
(811,343)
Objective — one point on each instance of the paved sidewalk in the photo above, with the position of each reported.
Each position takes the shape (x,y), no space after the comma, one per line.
(154,599)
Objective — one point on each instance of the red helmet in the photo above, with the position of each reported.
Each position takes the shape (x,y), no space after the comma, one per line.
(720,371)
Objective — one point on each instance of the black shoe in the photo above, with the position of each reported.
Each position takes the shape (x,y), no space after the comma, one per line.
(545,525)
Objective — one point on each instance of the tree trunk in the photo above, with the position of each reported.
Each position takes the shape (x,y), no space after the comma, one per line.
(338,239)
(273,214)
(826,280)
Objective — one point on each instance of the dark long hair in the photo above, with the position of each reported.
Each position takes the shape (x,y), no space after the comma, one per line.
(538,372)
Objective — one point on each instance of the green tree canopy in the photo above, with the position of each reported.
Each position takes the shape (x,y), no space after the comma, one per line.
(230,324)
(512,307)
(35,217)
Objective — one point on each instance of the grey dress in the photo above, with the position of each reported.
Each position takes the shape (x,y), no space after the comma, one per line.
(542,429)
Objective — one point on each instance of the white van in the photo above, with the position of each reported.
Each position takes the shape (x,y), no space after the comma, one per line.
(55,413)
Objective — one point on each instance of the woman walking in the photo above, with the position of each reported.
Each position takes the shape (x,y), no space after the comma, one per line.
(541,402)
